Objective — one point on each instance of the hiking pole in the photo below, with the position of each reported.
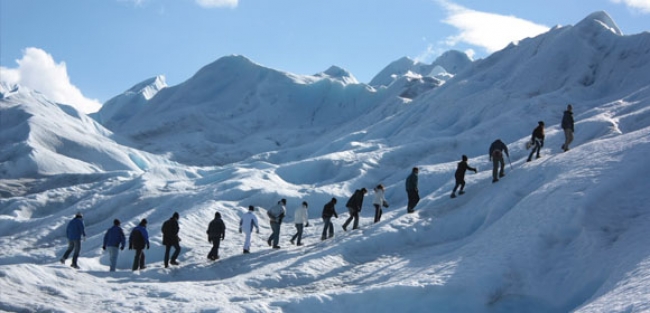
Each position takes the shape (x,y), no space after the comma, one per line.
(510,162)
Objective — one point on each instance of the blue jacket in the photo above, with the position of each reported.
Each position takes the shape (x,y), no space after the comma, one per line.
(114,237)
(76,229)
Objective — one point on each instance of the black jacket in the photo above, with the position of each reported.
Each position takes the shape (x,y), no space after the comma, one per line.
(462,168)
(216,229)
(538,133)
(170,232)
(498,145)
(356,201)
(567,120)
(329,210)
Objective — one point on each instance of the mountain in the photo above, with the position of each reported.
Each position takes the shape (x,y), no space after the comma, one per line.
(446,65)
(564,233)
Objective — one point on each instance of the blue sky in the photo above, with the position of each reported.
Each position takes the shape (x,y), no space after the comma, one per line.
(79,50)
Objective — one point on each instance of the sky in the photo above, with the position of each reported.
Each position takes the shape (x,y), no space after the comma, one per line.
(85,52)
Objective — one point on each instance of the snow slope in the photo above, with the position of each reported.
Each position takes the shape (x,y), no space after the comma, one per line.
(565,233)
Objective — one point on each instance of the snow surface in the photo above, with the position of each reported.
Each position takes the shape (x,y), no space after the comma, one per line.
(565,233)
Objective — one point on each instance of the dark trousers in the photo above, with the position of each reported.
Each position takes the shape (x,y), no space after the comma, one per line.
(495,167)
(536,148)
(274,239)
(414,198)
(327,227)
(298,234)
(214,253)
(177,251)
(460,183)
(354,215)
(73,245)
(138,260)
(378,212)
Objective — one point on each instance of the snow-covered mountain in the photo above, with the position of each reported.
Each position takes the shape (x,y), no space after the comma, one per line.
(565,233)
(445,66)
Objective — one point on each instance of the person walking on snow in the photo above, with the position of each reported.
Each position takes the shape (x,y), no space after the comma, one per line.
(74,232)
(497,149)
(460,176)
(276,214)
(113,239)
(170,239)
(138,240)
(246,224)
(412,190)
(379,201)
(328,211)
(567,125)
(537,138)
(301,220)
(216,233)
(354,205)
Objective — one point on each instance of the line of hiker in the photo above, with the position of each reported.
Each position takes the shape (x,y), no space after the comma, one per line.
(115,239)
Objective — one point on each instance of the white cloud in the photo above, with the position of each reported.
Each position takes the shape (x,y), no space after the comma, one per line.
(641,5)
(489,31)
(37,70)
(217,3)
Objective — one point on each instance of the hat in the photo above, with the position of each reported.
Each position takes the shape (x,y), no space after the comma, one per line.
(284,201)
(304,203)
(251,208)
(176,216)
(464,157)
(143,222)
(79,215)
(217,215)
(116,222)
(541,123)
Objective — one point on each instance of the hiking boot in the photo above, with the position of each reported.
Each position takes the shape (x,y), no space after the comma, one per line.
(344,228)
(299,244)
(502,174)
(269,242)
(322,238)
(528,160)
(74,266)
(461,192)
(276,247)
(246,251)
(495,180)
(173,262)
(453,195)
(292,242)
(538,157)
(62,260)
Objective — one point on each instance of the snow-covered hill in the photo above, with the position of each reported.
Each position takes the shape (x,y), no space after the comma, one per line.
(567,232)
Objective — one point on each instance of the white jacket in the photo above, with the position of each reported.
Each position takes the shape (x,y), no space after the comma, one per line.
(379,197)
(301,215)
(248,222)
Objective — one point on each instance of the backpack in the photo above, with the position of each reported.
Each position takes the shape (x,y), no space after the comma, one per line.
(497,154)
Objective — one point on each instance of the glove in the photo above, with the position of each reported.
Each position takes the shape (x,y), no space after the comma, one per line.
(475,171)
(541,143)
(210,240)
(130,247)
(258,230)
(223,238)
(122,248)
(103,247)
(240,230)
(147,246)
(307,225)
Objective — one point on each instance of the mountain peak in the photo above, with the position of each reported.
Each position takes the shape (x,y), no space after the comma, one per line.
(338,73)
(599,20)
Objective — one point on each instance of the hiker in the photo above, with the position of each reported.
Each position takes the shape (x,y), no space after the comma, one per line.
(497,149)
(276,214)
(567,125)
(74,232)
(113,239)
(216,233)
(460,176)
(379,201)
(301,220)
(138,240)
(170,239)
(328,211)
(537,138)
(246,224)
(354,207)
(412,190)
